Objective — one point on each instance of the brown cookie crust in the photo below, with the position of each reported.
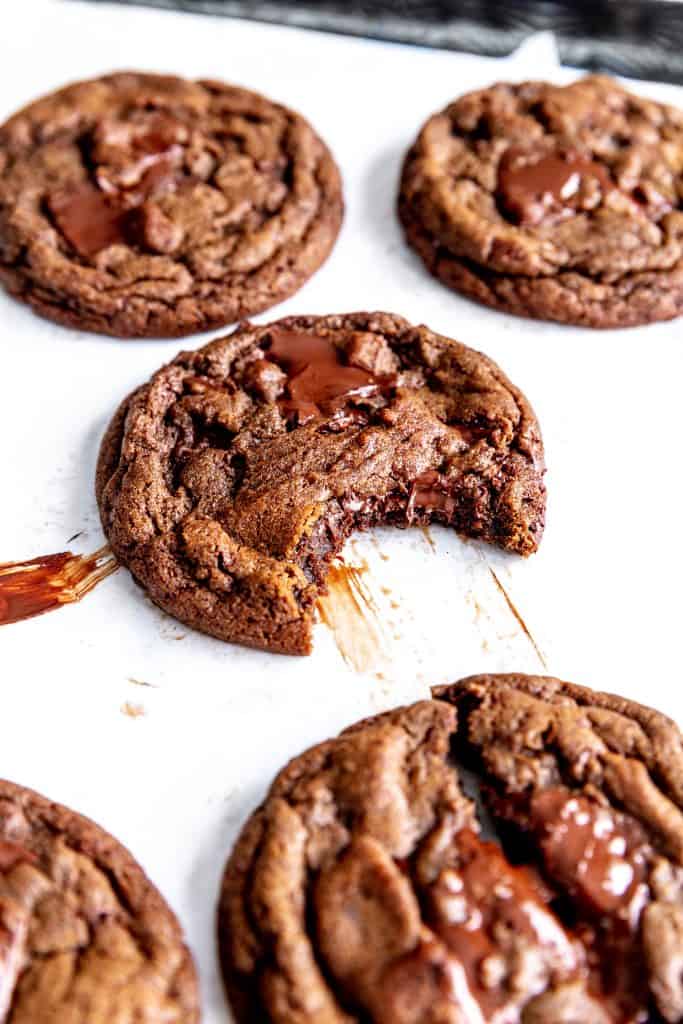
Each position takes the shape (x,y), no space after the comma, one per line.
(228,513)
(610,254)
(85,938)
(143,205)
(361,890)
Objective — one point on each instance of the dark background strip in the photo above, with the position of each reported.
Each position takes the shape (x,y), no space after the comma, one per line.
(642,39)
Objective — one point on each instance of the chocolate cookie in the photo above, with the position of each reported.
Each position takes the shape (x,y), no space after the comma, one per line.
(364,890)
(85,938)
(229,482)
(143,205)
(561,203)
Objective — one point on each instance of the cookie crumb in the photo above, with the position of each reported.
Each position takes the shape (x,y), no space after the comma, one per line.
(133,710)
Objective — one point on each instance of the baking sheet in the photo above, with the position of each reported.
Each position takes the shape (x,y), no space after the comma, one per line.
(169,738)
(642,38)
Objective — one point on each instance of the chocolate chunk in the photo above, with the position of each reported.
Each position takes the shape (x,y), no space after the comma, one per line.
(266,379)
(142,164)
(89,220)
(599,856)
(137,152)
(318,381)
(550,756)
(534,185)
(370,352)
(429,494)
(156,231)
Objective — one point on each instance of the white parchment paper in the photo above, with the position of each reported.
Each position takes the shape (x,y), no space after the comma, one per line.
(214,722)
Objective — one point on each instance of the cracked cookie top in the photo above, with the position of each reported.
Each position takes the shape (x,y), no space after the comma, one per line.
(85,938)
(366,887)
(229,482)
(144,205)
(556,202)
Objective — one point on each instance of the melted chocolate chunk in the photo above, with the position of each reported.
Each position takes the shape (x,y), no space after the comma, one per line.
(482,901)
(599,855)
(137,154)
(429,495)
(89,220)
(131,166)
(318,381)
(534,185)
(132,163)
(601,859)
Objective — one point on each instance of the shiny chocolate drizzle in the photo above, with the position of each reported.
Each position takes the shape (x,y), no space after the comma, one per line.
(45,583)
